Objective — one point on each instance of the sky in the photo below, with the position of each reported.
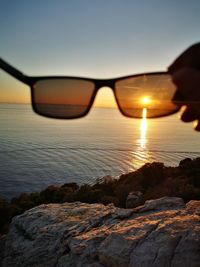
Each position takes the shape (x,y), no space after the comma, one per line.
(92,38)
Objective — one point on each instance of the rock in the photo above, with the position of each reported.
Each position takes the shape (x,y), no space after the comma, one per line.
(163,203)
(184,162)
(2,247)
(105,179)
(134,199)
(193,207)
(162,232)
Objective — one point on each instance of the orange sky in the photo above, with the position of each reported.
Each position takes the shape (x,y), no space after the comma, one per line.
(105,98)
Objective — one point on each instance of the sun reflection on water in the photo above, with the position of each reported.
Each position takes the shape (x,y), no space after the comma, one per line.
(143,129)
(141,154)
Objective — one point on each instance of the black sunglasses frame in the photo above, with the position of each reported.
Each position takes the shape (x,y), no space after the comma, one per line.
(98,83)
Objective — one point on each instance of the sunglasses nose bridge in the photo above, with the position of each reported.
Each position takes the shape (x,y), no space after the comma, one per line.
(106,83)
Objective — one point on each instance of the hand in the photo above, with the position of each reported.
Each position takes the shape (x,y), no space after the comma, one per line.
(185,73)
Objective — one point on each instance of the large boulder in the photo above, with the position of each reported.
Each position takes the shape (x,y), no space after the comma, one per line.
(162,232)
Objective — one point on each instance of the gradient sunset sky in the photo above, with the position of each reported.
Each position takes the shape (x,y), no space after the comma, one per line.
(92,38)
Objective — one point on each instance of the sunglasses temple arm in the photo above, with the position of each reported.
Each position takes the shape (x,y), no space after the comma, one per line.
(14,72)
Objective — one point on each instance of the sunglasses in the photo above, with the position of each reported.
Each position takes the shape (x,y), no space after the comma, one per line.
(72,97)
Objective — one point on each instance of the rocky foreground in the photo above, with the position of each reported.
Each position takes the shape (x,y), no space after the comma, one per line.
(162,232)
(151,181)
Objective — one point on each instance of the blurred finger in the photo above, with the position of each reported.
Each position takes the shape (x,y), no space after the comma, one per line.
(197,125)
(182,78)
(189,58)
(178,98)
(187,81)
(189,115)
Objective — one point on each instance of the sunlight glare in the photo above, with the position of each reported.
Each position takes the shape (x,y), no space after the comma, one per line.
(143,129)
(145,101)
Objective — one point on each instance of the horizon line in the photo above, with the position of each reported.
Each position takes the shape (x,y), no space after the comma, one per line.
(29,103)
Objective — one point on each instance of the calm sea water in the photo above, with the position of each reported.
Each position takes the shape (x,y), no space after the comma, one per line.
(36,152)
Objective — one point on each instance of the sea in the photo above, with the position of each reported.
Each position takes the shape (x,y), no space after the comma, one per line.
(36,152)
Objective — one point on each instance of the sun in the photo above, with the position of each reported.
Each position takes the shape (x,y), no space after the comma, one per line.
(145,100)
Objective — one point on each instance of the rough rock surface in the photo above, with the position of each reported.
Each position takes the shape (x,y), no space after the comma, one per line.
(134,199)
(162,232)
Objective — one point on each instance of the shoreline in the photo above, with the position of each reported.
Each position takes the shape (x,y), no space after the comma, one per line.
(151,181)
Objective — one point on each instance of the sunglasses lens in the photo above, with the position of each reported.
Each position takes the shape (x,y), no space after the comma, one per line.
(62,98)
(152,92)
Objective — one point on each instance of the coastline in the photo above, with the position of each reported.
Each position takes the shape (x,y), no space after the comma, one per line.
(36,152)
(151,181)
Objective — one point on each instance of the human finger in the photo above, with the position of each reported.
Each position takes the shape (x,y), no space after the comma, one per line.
(189,58)
(188,115)
(197,125)
(187,81)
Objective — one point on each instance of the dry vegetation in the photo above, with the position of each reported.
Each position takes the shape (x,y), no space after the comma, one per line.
(154,180)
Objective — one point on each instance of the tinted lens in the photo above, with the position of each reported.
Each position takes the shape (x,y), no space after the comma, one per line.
(154,92)
(62,98)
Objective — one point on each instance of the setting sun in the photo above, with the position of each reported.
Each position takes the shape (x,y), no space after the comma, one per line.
(145,100)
